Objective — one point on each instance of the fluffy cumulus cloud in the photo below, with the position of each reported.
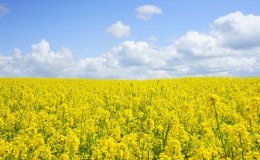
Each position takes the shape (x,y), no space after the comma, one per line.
(41,62)
(119,30)
(216,53)
(3,10)
(237,30)
(147,11)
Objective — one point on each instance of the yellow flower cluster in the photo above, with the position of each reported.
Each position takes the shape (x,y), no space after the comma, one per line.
(187,118)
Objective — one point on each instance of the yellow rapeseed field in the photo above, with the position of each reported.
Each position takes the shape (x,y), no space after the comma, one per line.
(186,118)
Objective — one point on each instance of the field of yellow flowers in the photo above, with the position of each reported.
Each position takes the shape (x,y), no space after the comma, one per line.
(186,118)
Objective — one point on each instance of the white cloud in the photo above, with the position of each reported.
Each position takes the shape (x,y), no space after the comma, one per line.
(147,11)
(119,30)
(198,44)
(41,62)
(237,30)
(230,64)
(3,10)
(194,54)
(6,65)
(141,54)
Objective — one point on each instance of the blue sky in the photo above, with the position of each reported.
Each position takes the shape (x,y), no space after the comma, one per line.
(129,39)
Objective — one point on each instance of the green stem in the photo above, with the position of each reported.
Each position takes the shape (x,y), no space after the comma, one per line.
(166,135)
(220,135)
(241,145)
